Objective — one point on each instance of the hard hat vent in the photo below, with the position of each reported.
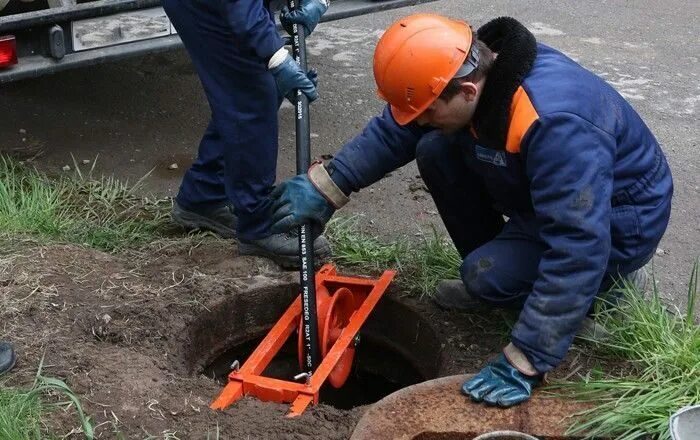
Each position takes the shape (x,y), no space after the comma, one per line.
(410,91)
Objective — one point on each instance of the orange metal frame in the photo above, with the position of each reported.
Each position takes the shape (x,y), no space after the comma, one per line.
(248,380)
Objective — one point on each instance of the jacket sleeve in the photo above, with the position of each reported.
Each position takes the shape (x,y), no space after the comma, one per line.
(382,147)
(253,27)
(569,164)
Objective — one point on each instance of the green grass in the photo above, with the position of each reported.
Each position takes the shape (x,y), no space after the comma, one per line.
(420,265)
(102,213)
(22,411)
(663,350)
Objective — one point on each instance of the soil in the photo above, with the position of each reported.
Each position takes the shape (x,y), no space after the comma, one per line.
(133,333)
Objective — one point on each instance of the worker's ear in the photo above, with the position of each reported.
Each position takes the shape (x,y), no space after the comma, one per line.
(468,90)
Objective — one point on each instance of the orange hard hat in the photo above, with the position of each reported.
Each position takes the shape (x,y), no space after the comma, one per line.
(415,59)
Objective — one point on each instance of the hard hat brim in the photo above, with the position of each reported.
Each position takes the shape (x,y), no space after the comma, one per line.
(402,117)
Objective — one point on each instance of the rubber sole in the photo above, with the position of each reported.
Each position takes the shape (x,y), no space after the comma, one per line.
(192,222)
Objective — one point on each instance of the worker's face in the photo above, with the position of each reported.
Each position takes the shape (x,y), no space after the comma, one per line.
(453,114)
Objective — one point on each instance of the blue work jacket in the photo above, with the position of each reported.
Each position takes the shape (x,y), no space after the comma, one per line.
(554,143)
(253,25)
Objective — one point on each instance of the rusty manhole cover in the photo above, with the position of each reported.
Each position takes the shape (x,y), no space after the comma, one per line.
(437,410)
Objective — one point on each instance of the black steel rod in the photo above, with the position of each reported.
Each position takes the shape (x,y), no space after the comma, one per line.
(311,353)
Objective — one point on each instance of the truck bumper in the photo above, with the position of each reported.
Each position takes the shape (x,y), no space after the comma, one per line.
(36,65)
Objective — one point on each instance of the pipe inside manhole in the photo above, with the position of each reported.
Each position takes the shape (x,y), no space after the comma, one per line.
(397,348)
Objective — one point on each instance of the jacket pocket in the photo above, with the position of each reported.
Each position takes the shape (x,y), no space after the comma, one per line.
(625,232)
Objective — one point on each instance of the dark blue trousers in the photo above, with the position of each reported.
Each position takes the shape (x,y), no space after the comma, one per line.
(237,155)
(500,259)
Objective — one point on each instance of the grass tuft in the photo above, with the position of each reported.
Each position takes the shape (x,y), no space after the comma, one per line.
(663,350)
(21,411)
(420,265)
(103,213)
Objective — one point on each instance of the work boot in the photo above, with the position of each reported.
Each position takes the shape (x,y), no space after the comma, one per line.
(283,249)
(221,219)
(453,295)
(592,330)
(7,357)
(639,279)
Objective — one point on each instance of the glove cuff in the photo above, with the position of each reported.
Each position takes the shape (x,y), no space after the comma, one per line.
(277,58)
(321,180)
(517,358)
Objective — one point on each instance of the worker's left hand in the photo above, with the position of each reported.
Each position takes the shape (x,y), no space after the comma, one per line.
(312,74)
(289,77)
(500,383)
(297,202)
(308,15)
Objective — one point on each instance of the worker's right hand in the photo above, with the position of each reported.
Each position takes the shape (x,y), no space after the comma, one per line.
(308,15)
(506,381)
(297,202)
(289,77)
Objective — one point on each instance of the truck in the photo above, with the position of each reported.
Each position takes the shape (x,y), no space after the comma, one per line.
(41,37)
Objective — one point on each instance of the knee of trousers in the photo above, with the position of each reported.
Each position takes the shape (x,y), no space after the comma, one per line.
(431,150)
(480,278)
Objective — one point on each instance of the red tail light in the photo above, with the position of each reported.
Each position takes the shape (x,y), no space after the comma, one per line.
(8,51)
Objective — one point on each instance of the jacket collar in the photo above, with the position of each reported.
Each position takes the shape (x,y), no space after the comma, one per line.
(516,48)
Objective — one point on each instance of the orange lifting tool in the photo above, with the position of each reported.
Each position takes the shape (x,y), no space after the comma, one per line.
(334,307)
(343,305)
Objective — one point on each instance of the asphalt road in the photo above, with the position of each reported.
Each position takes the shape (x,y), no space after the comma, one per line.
(148,113)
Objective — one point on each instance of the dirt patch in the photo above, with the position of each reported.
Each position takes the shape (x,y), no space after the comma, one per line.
(133,334)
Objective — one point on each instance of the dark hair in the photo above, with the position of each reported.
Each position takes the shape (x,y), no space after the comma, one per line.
(486,58)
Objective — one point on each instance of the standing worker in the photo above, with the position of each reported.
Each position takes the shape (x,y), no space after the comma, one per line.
(246,73)
(501,125)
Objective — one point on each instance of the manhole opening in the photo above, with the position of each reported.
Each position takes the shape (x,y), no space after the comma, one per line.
(398,345)
(378,370)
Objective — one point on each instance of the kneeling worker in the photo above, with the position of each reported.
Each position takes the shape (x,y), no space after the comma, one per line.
(501,125)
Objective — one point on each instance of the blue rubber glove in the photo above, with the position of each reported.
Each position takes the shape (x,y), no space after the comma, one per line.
(297,202)
(289,77)
(312,75)
(308,15)
(500,383)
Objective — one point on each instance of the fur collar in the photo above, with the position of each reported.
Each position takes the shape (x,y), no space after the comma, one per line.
(516,48)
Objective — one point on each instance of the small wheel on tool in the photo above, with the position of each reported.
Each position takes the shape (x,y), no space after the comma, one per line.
(337,317)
